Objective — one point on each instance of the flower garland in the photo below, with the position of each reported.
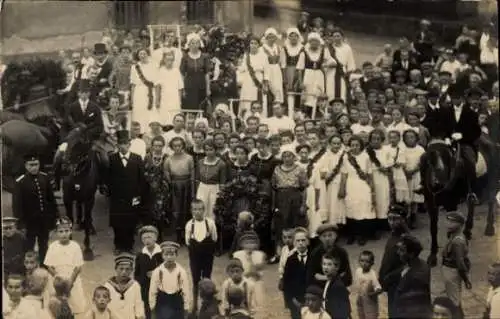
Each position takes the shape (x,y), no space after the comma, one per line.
(362,175)
(335,170)
(390,174)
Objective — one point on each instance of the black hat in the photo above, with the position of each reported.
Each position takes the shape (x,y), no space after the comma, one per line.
(426,64)
(326,227)
(433,92)
(444,73)
(122,136)
(474,92)
(31,157)
(124,259)
(84,86)
(456,217)
(100,48)
(456,91)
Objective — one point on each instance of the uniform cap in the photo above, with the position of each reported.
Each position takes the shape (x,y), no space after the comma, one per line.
(326,227)
(124,259)
(234,263)
(455,217)
(337,100)
(474,92)
(170,245)
(426,64)
(9,220)
(148,229)
(31,157)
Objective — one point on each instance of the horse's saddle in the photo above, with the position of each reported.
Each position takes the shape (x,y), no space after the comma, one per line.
(481,165)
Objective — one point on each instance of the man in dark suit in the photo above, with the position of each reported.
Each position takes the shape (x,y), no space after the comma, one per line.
(84,115)
(127,192)
(406,61)
(104,68)
(34,205)
(368,81)
(412,297)
(462,125)
(424,42)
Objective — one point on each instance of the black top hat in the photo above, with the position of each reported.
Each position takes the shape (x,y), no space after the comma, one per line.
(122,136)
(456,91)
(100,48)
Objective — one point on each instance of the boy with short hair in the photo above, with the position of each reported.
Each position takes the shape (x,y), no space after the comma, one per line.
(101,299)
(14,246)
(18,307)
(32,265)
(236,299)
(336,302)
(125,292)
(234,270)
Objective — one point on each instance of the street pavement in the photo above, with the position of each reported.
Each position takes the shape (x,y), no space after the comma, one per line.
(483,250)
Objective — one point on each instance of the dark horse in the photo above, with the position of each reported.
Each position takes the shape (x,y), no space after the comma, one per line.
(445,186)
(81,170)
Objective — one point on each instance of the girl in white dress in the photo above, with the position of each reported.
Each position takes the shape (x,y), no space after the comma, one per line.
(383,180)
(357,187)
(331,166)
(144,84)
(398,123)
(252,75)
(312,61)
(336,86)
(398,158)
(64,259)
(413,153)
(273,53)
(171,88)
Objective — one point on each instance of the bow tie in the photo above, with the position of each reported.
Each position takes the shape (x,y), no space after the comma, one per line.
(124,158)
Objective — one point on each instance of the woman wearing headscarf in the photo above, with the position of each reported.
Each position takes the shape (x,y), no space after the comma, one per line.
(312,61)
(195,67)
(289,57)
(144,89)
(344,64)
(252,75)
(273,52)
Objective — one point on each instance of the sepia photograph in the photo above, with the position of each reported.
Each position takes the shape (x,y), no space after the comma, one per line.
(250,159)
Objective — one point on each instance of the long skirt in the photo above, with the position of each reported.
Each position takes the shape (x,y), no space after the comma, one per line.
(382,194)
(314,86)
(289,215)
(401,185)
(208,193)
(276,82)
(140,112)
(182,195)
(336,86)
(336,205)
(413,184)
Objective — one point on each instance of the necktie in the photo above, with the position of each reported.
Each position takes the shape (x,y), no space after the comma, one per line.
(302,259)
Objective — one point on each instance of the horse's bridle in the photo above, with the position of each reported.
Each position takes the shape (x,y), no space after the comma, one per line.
(453,174)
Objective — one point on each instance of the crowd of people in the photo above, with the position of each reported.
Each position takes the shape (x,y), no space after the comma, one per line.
(327,149)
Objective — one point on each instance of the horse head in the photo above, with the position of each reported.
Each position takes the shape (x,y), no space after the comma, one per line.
(78,151)
(441,167)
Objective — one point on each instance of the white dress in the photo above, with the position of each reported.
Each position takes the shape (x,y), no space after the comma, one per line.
(307,314)
(64,259)
(140,112)
(316,214)
(314,78)
(358,201)
(249,92)
(171,83)
(397,155)
(345,56)
(157,56)
(275,72)
(381,183)
(335,206)
(412,161)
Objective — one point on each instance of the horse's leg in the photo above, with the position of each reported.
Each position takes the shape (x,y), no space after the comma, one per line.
(469,222)
(68,204)
(490,219)
(88,206)
(433,212)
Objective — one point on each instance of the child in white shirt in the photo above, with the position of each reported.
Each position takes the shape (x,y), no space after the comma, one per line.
(366,286)
(100,310)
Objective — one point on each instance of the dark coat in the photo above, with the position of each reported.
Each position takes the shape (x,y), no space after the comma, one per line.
(467,125)
(315,261)
(412,298)
(295,278)
(337,303)
(124,184)
(370,84)
(493,125)
(424,45)
(102,80)
(92,119)
(32,207)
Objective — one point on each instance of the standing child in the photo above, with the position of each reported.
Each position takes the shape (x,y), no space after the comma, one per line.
(384,60)
(236,300)
(146,261)
(125,292)
(295,273)
(17,306)
(314,304)
(367,287)
(169,296)
(32,264)
(413,153)
(456,263)
(14,244)
(100,310)
(493,300)
(64,259)
(201,236)
(253,261)
(286,250)
(243,224)
(36,286)
(209,303)
(59,303)
(236,280)
(336,295)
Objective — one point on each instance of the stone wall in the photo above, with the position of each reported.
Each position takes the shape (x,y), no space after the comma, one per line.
(41,19)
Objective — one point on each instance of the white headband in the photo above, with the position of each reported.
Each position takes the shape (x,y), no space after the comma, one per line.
(193,37)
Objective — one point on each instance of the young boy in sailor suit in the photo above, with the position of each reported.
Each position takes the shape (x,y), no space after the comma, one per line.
(201,239)
(169,292)
(125,292)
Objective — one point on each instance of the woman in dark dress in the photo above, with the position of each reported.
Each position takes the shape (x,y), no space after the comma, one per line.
(240,165)
(195,68)
(159,187)
(196,150)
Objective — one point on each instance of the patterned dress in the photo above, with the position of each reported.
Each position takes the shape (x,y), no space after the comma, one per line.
(159,187)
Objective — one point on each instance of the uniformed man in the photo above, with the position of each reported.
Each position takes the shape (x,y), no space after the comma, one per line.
(34,205)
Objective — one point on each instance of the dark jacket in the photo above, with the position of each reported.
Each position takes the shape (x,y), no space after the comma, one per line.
(315,261)
(295,278)
(467,125)
(412,298)
(337,303)
(31,207)
(91,119)
(124,184)
(424,45)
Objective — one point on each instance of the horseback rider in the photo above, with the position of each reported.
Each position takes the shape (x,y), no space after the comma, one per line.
(459,123)
(83,115)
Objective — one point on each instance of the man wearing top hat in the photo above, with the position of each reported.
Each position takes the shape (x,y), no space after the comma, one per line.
(104,67)
(126,185)
(34,205)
